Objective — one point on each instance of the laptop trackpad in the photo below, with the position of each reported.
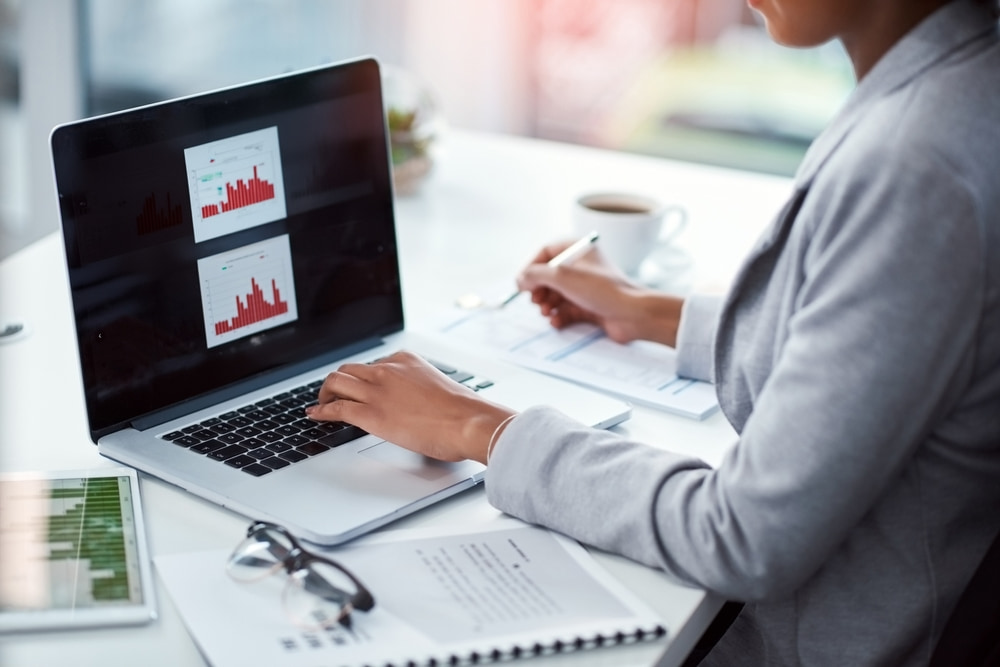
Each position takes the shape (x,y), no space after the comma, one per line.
(407,461)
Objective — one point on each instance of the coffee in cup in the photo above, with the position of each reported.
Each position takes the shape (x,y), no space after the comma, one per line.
(630,226)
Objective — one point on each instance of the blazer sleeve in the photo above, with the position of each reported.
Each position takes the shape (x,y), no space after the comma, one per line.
(696,337)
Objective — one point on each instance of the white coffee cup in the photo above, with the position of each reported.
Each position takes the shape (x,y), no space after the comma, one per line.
(629,226)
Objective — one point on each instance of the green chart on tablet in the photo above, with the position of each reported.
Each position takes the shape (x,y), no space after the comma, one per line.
(72,550)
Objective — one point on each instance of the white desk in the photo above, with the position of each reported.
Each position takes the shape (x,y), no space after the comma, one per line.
(491,202)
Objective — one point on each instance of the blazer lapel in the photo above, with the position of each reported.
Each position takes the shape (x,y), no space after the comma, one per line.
(743,301)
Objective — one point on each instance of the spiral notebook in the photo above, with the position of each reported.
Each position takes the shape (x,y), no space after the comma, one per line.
(510,591)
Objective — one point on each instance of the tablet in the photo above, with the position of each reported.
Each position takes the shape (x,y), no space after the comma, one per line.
(73,551)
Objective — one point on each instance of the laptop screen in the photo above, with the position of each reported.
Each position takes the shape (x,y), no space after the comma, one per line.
(227,237)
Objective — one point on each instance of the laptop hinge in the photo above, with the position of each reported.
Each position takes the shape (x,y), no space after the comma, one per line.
(252,384)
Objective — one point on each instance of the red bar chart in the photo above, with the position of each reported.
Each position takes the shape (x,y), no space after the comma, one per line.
(246,193)
(235,183)
(153,218)
(254,307)
(247,290)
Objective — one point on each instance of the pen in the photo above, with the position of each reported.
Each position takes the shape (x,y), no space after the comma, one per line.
(568,255)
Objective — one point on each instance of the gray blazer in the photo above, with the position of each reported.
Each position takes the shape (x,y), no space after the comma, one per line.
(858,356)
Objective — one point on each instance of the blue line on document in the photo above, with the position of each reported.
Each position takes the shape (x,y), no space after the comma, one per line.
(530,340)
(686,384)
(672,382)
(578,345)
(690,383)
(457,323)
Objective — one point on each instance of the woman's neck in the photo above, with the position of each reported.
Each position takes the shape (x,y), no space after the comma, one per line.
(884,25)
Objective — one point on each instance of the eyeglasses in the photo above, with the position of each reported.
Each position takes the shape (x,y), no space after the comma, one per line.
(319,592)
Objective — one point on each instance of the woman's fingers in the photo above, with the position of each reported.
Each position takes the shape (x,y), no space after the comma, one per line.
(345,382)
(404,399)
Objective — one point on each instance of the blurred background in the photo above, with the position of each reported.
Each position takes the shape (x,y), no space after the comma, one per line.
(686,79)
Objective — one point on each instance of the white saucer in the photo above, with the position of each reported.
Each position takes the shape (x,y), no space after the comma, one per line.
(668,269)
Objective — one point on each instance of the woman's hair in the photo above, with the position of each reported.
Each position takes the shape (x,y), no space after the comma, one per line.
(995,4)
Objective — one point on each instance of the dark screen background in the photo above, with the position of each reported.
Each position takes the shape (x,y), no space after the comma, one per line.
(134,275)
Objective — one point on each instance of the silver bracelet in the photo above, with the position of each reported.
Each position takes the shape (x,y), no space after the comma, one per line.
(494,437)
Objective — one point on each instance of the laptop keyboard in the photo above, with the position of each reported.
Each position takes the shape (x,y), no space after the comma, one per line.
(273,433)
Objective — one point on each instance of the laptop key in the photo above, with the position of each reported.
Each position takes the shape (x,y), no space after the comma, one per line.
(279,447)
(229,438)
(269,436)
(274,463)
(444,368)
(172,436)
(208,446)
(260,453)
(342,436)
(312,448)
(240,461)
(186,441)
(293,455)
(296,440)
(330,427)
(256,469)
(227,452)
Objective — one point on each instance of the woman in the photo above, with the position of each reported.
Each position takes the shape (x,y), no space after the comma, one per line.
(857,355)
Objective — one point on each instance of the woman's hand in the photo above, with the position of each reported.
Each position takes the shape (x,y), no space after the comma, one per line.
(591,289)
(405,400)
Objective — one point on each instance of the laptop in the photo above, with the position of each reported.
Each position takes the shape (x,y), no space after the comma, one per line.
(226,251)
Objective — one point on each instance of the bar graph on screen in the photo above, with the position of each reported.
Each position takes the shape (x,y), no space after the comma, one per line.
(236,183)
(254,308)
(246,193)
(155,217)
(247,290)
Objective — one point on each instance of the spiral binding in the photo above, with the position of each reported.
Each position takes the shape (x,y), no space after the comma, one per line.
(537,649)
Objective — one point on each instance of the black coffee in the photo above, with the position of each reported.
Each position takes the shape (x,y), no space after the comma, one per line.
(617,208)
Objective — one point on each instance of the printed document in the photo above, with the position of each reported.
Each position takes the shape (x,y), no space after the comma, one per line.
(642,372)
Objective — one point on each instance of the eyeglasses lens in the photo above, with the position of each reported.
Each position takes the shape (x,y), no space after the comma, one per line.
(318,595)
(259,555)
